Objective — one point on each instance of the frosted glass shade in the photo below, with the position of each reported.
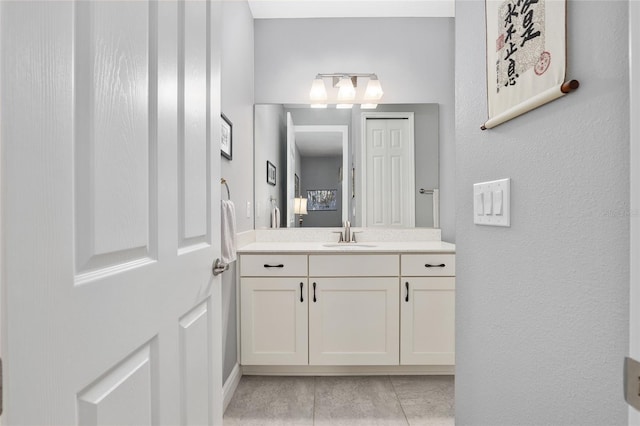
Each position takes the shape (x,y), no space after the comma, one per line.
(374,90)
(300,205)
(346,91)
(318,93)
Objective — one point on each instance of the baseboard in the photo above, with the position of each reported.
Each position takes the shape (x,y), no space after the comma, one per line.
(230,386)
(348,370)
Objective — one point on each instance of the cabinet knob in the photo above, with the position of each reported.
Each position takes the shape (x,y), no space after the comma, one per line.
(406,299)
(428,265)
(274,266)
(314,293)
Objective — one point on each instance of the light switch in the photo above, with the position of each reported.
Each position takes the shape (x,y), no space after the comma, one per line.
(488,203)
(479,203)
(248,209)
(492,203)
(497,202)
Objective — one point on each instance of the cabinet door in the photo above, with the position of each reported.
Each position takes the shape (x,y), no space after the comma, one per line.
(353,321)
(427,321)
(274,318)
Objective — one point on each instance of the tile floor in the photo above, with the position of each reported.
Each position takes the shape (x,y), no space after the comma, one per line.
(344,400)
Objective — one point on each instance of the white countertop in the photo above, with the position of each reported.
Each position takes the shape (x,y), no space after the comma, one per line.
(365,247)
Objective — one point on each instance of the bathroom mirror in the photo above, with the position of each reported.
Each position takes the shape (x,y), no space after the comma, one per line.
(332,158)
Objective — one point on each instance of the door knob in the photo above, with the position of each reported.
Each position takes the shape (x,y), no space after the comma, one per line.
(219,267)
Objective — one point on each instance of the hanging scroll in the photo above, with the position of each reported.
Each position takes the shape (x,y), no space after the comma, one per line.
(526,56)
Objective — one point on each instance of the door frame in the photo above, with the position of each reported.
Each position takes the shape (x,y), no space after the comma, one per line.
(344,130)
(363,157)
(634,216)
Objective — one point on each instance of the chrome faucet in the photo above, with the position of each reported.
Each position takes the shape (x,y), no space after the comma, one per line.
(347,231)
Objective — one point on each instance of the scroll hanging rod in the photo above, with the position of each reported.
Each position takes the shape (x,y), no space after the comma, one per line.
(223,181)
(566,87)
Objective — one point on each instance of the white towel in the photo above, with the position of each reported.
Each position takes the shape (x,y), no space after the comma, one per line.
(228,228)
(275,217)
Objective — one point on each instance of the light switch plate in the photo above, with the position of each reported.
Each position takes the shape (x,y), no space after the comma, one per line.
(498,194)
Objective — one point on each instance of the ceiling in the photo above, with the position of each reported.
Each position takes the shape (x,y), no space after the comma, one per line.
(269,9)
(319,144)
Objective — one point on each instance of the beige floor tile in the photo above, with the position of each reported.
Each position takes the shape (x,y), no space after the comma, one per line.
(272,401)
(426,400)
(357,401)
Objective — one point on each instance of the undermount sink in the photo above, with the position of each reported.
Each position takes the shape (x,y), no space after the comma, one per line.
(348,245)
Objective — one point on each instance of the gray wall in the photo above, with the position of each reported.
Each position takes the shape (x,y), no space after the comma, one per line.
(322,173)
(237,105)
(414,58)
(270,145)
(542,306)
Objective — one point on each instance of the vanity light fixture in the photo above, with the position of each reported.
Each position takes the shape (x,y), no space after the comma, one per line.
(346,83)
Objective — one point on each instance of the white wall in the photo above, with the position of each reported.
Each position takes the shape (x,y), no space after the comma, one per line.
(542,307)
(413,58)
(237,106)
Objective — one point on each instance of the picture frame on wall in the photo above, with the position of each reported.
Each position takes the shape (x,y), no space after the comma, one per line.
(322,199)
(271,173)
(226,138)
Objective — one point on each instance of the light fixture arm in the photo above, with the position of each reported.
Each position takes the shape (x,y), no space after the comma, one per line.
(336,76)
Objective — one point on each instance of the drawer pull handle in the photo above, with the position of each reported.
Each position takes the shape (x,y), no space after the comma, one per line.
(301,287)
(274,266)
(406,299)
(428,265)
(314,293)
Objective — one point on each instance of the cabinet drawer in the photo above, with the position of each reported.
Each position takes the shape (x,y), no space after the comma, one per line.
(429,265)
(354,265)
(273,265)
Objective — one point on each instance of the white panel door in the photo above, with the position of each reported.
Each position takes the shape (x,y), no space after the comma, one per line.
(389,167)
(110,222)
(274,317)
(353,321)
(427,322)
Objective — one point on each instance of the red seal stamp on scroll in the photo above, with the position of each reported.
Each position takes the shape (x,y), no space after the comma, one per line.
(543,63)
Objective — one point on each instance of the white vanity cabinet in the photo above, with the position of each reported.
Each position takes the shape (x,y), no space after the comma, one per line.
(274,309)
(427,308)
(353,309)
(327,312)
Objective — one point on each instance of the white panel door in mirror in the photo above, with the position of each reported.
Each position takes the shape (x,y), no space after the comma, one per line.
(491,203)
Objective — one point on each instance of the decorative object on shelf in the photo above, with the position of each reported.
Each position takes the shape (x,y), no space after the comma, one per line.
(526,57)
(271,173)
(300,207)
(226,138)
(347,95)
(322,199)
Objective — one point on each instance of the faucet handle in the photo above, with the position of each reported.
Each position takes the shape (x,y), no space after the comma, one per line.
(339,232)
(353,236)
